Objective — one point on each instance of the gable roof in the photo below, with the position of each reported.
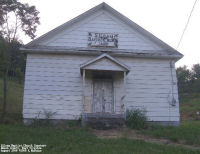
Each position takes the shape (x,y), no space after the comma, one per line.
(125,68)
(33,46)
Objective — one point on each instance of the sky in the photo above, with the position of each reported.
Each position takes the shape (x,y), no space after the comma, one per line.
(165,19)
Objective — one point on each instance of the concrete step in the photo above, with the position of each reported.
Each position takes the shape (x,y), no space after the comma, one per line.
(104,121)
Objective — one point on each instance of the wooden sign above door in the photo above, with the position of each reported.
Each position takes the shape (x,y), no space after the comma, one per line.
(102,40)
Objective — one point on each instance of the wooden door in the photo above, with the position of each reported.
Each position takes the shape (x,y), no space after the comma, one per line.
(103,96)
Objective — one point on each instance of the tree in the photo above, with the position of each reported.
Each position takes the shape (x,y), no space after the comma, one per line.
(196,71)
(17,61)
(4,61)
(15,18)
(184,79)
(196,78)
(188,79)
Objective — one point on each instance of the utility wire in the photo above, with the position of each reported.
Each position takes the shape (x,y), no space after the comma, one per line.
(186,24)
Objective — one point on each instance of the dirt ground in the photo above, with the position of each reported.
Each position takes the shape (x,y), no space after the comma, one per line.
(132,134)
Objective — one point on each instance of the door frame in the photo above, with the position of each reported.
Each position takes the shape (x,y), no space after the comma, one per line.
(103,79)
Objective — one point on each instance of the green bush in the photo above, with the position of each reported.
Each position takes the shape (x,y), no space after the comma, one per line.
(136,119)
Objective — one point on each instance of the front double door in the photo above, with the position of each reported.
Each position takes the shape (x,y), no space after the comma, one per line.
(103,96)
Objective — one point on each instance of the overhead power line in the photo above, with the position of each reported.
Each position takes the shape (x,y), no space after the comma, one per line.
(187,23)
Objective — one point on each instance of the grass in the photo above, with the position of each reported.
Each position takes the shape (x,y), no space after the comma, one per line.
(79,140)
(190,104)
(14,95)
(14,100)
(187,133)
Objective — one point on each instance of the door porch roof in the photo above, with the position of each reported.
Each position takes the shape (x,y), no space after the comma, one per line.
(105,62)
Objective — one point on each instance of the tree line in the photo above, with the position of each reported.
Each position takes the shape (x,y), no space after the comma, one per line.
(188,79)
(16,62)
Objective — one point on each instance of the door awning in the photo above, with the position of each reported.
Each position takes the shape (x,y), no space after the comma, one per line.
(105,62)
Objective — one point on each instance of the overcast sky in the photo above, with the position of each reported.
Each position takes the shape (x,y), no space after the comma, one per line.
(166,19)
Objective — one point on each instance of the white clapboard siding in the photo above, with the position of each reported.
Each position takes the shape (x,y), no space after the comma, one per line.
(54,83)
(56,116)
(149,86)
(164,118)
(144,100)
(102,22)
(43,103)
(54,98)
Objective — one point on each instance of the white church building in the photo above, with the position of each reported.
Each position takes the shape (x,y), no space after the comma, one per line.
(100,64)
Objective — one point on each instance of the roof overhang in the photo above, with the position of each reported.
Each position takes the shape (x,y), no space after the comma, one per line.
(99,51)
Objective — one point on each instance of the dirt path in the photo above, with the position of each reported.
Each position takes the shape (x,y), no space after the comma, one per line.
(131,134)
